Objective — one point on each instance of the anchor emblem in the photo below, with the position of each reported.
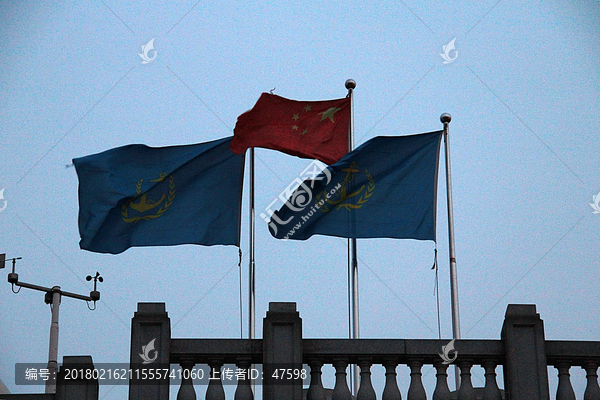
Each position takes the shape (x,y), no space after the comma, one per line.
(142,204)
(341,198)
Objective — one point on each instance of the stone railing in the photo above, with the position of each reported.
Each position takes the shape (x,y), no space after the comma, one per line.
(522,351)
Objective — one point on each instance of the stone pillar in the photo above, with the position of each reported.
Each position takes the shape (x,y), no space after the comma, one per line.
(80,388)
(282,348)
(526,369)
(150,349)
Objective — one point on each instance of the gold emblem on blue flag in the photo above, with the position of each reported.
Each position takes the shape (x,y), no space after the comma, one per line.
(141,204)
(135,195)
(347,196)
(387,186)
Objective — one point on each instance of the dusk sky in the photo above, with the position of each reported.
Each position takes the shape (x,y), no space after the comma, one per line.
(522,85)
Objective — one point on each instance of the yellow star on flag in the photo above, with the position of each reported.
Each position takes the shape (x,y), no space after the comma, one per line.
(329,113)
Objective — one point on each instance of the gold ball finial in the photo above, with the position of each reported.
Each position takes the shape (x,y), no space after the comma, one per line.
(445,118)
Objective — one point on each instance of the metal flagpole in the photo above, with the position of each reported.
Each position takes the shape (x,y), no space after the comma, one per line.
(251,264)
(445,119)
(251,294)
(352,257)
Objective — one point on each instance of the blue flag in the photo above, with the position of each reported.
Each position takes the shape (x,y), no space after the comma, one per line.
(143,196)
(386,188)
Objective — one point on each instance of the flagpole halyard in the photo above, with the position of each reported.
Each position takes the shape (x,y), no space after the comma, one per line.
(445,119)
(352,255)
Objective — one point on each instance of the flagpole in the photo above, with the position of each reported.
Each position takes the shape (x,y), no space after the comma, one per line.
(445,119)
(352,256)
(251,264)
(251,293)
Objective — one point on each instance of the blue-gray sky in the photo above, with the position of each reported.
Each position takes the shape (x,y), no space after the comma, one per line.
(523,92)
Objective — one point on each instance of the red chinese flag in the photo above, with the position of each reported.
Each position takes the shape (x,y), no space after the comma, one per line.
(307,129)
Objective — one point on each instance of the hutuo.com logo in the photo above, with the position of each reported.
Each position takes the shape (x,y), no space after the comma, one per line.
(146,352)
(595,205)
(447,48)
(4,203)
(146,48)
(446,350)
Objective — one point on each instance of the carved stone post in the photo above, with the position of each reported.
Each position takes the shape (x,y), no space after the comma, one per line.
(282,348)
(150,348)
(526,369)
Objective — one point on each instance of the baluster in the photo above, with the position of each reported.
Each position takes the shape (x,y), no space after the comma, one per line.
(186,390)
(466,391)
(565,390)
(491,391)
(215,386)
(341,390)
(315,390)
(592,390)
(442,392)
(365,390)
(416,391)
(391,391)
(243,390)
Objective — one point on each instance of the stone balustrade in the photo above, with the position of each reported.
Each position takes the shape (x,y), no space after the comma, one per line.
(521,351)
